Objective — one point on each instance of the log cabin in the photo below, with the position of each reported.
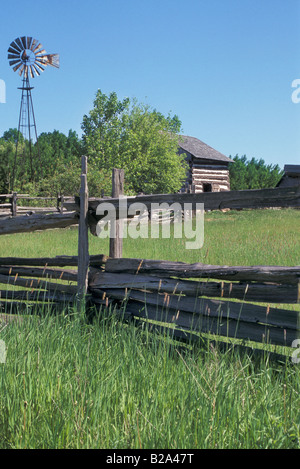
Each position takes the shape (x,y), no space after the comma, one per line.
(208,168)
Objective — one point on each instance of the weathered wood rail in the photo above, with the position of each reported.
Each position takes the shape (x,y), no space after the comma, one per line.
(9,204)
(158,291)
(42,282)
(237,200)
(16,218)
(186,299)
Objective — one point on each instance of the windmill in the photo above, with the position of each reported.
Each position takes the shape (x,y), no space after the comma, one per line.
(27,57)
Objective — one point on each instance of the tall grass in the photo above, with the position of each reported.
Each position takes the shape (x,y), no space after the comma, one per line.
(70,384)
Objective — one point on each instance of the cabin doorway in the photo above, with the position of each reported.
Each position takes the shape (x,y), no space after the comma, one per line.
(207,187)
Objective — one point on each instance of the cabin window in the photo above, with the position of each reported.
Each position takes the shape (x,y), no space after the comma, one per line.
(207,187)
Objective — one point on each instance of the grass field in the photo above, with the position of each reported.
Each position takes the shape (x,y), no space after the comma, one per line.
(256,237)
(70,384)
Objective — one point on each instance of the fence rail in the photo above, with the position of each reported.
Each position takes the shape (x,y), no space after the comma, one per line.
(218,300)
(148,290)
(67,211)
(29,282)
(9,204)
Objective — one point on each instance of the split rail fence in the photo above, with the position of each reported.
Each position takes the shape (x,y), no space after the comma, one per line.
(185,299)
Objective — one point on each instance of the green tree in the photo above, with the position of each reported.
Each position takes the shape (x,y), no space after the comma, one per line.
(7,155)
(134,137)
(59,156)
(253,174)
(57,150)
(103,130)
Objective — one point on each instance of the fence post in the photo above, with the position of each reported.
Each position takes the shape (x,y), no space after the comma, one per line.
(60,203)
(83,246)
(116,234)
(14,204)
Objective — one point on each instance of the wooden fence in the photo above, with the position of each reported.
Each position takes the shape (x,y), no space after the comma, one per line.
(28,283)
(188,299)
(221,301)
(14,204)
(185,299)
(235,200)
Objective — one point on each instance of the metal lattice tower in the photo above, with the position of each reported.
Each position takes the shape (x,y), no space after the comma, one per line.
(27,56)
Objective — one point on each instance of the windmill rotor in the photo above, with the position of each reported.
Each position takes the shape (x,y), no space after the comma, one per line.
(27,56)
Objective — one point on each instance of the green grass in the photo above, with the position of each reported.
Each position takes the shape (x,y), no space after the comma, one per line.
(254,237)
(67,383)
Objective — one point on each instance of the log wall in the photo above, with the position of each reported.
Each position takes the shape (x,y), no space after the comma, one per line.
(207,174)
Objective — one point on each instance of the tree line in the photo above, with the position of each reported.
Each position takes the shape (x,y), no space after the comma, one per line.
(115,133)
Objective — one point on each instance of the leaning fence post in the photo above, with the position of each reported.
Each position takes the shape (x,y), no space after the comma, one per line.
(116,235)
(83,247)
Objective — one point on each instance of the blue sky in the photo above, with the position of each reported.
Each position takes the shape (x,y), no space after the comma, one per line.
(225,67)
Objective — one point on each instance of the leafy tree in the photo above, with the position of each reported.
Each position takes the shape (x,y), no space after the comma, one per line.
(11,135)
(133,137)
(253,174)
(103,130)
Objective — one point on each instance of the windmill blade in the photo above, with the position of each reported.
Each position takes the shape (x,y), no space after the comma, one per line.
(33,44)
(35,49)
(40,52)
(31,71)
(15,46)
(35,69)
(17,66)
(14,62)
(21,69)
(14,51)
(19,43)
(13,56)
(24,42)
(29,40)
(39,67)
(26,71)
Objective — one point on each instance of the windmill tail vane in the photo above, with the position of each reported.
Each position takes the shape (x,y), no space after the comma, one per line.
(27,56)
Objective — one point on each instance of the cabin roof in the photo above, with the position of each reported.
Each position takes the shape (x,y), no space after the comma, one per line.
(292,170)
(199,149)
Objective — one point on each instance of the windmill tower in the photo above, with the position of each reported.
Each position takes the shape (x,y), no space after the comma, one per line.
(27,56)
